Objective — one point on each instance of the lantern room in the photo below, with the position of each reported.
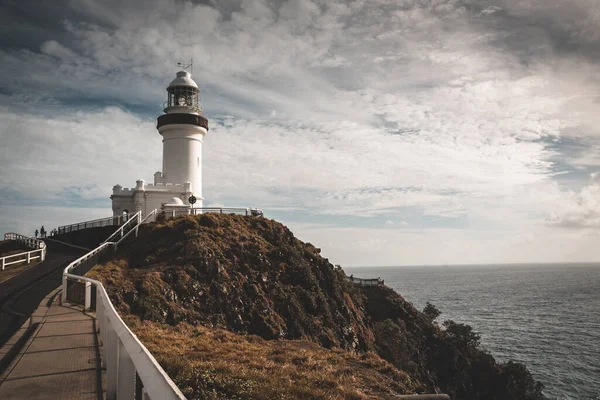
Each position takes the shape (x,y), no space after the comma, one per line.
(183,95)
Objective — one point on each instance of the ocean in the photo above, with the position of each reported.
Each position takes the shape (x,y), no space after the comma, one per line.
(545,316)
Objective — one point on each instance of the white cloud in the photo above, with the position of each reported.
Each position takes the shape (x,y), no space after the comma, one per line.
(84,154)
(331,108)
(372,247)
(579,210)
(25,220)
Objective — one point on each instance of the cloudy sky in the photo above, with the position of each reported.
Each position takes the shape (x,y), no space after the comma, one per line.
(402,132)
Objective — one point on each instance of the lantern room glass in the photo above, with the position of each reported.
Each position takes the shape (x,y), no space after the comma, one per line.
(183,96)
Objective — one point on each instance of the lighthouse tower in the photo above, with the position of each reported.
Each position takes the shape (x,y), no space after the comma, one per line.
(182,127)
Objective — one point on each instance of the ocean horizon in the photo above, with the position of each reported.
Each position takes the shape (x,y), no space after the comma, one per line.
(546,316)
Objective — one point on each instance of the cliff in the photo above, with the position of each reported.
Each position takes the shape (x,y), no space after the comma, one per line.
(237,307)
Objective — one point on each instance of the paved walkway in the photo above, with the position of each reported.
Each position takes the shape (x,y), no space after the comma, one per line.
(61,358)
(21,295)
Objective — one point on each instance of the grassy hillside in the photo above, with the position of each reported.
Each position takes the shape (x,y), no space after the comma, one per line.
(241,298)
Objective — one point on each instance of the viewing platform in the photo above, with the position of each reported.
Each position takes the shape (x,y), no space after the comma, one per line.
(365,281)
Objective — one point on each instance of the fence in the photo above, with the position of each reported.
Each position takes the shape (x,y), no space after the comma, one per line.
(95,223)
(254,212)
(122,219)
(365,282)
(126,227)
(39,251)
(131,371)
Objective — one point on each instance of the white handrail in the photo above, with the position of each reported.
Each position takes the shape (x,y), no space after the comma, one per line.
(365,281)
(94,223)
(124,354)
(229,210)
(153,212)
(38,245)
(135,229)
(26,240)
(134,218)
(255,212)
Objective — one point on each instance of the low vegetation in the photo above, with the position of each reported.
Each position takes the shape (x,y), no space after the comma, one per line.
(236,307)
(216,364)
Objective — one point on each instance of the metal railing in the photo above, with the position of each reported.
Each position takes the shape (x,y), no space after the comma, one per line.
(123,220)
(131,223)
(38,252)
(125,358)
(255,212)
(96,223)
(151,217)
(365,282)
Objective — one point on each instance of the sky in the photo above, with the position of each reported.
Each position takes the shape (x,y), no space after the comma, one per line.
(407,132)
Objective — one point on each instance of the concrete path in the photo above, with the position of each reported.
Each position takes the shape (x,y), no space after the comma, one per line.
(20,296)
(60,359)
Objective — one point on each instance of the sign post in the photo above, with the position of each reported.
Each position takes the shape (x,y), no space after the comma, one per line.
(192,201)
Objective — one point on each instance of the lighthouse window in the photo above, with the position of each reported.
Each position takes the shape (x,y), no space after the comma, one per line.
(183,96)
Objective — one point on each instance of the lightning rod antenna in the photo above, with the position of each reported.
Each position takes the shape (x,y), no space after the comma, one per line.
(185,66)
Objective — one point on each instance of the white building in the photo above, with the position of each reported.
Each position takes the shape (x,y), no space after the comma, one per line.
(182,127)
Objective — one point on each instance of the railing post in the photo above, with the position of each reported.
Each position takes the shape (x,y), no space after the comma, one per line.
(105,328)
(88,296)
(126,374)
(28,257)
(64,289)
(99,315)
(111,356)
(3,262)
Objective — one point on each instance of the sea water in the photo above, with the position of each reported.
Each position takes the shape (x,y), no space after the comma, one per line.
(545,316)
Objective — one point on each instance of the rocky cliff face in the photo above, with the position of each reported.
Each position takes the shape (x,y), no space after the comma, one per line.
(250,275)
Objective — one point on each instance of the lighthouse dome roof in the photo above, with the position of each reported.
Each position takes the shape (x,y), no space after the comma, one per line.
(183,78)
(175,201)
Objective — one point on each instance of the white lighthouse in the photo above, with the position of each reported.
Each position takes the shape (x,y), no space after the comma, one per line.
(182,127)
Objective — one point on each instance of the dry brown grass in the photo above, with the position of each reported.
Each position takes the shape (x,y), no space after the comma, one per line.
(216,364)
